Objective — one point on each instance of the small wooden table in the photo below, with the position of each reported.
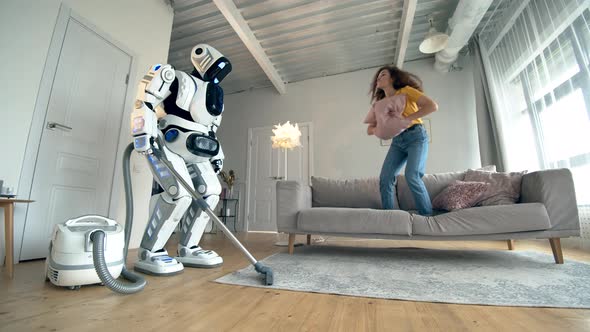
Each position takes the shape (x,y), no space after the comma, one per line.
(8,205)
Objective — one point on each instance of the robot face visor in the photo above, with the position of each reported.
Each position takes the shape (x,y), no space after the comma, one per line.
(218,70)
(202,145)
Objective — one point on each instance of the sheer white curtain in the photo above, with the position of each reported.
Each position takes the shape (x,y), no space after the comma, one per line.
(540,72)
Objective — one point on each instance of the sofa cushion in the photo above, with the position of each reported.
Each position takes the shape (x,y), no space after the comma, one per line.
(354,221)
(484,220)
(435,183)
(459,195)
(356,193)
(504,187)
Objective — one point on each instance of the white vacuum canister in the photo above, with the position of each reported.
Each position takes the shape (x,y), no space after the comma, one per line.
(70,261)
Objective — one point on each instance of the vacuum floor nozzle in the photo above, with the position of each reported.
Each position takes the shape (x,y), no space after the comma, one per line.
(266,271)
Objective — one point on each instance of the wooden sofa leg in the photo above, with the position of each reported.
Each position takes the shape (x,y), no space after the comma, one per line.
(308,239)
(291,243)
(510,244)
(556,247)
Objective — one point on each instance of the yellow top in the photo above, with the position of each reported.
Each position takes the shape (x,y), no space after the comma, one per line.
(411,106)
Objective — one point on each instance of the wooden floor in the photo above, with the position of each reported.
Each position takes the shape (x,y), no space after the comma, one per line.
(191,301)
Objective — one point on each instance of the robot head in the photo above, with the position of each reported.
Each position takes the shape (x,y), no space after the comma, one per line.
(210,65)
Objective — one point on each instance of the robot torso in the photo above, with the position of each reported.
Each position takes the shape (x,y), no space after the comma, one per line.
(193,113)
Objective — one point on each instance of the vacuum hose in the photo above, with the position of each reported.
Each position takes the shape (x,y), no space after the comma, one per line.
(97,237)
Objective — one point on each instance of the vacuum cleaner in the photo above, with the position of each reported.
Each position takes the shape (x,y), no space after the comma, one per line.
(93,249)
(70,262)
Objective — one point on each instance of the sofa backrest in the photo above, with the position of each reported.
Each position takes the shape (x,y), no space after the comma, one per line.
(364,193)
(355,193)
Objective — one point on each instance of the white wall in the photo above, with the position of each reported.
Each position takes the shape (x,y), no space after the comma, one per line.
(26,27)
(455,143)
(337,105)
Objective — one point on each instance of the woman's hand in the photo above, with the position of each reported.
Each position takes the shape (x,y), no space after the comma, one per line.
(425,107)
(405,122)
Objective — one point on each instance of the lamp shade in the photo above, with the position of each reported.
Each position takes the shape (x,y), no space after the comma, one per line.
(286,136)
(434,41)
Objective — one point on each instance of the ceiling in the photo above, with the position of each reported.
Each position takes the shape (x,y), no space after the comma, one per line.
(281,41)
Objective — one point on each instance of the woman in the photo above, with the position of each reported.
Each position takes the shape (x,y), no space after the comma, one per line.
(411,146)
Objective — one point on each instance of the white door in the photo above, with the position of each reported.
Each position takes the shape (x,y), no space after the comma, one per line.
(267,166)
(76,159)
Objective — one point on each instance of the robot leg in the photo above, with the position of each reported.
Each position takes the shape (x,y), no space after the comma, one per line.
(167,207)
(195,220)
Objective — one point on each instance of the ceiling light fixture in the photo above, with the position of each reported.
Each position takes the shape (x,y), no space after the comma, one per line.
(434,41)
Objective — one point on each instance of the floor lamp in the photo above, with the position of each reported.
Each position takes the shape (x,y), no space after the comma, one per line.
(286,137)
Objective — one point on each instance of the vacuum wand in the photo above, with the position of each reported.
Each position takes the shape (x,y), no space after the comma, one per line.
(259,267)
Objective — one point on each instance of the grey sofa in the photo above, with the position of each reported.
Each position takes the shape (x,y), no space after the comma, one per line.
(546,210)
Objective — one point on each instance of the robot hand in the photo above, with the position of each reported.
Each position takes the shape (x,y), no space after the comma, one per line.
(210,65)
(217,161)
(144,127)
(217,165)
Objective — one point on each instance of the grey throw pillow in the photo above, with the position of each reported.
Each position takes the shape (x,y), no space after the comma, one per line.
(356,193)
(504,187)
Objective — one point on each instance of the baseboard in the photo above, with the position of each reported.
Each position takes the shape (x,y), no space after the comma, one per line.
(576,243)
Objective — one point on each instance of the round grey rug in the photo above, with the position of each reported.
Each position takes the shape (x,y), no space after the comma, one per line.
(505,278)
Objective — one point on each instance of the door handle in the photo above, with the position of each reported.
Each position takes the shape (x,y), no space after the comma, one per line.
(277,177)
(55,125)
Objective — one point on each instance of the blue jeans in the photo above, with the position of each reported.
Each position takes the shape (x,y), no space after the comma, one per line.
(410,146)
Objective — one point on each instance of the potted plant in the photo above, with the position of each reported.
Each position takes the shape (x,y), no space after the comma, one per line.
(229,179)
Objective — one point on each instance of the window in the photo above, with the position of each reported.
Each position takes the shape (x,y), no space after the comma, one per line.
(542,77)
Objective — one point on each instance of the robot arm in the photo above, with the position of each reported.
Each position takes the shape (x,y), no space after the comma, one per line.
(216,123)
(144,122)
(217,160)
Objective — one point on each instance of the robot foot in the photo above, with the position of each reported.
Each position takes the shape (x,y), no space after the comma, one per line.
(198,257)
(157,264)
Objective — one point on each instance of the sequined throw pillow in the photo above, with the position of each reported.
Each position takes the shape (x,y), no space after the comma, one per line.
(459,195)
(504,187)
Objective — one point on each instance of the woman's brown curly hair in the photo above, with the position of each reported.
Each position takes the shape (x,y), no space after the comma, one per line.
(400,78)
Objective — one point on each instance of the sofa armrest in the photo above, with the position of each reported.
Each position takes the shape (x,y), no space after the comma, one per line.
(555,189)
(292,196)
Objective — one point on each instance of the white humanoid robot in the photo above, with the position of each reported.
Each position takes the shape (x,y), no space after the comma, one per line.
(185,136)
